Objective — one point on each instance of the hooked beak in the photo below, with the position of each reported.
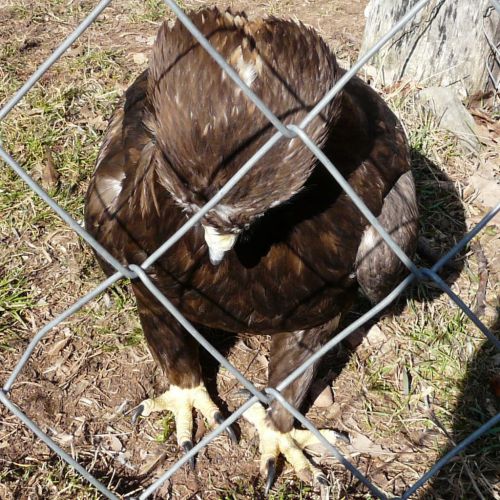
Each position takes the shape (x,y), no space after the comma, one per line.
(218,243)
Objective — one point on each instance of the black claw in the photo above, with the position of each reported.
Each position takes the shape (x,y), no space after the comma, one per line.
(271,473)
(187,446)
(232,435)
(219,419)
(321,478)
(343,437)
(136,414)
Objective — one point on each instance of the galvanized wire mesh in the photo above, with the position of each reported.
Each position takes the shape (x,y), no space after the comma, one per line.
(138,272)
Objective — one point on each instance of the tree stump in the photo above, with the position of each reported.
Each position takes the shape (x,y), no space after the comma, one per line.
(445,44)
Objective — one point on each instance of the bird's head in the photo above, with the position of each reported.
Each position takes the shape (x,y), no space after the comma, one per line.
(206,128)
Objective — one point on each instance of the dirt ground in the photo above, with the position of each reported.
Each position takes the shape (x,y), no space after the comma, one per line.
(419,381)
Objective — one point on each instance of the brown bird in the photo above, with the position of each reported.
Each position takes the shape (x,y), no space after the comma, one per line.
(286,251)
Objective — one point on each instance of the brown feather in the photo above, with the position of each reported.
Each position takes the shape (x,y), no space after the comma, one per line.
(183,128)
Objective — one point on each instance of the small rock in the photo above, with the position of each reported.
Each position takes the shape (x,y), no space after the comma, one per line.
(140,58)
(451,115)
(355,338)
(375,336)
(485,186)
(324,399)
(362,444)
(112,443)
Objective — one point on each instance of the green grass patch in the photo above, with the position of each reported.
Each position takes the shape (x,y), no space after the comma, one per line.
(15,298)
(167,428)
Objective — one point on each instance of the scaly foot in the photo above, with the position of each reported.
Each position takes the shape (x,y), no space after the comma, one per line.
(290,444)
(181,401)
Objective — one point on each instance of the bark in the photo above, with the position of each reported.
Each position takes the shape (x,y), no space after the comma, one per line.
(444,45)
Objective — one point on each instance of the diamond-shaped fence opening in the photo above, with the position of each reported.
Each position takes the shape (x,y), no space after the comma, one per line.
(138,272)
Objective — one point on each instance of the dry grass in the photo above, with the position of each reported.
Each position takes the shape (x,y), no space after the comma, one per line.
(414,385)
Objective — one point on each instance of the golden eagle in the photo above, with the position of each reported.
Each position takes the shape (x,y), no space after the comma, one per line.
(286,251)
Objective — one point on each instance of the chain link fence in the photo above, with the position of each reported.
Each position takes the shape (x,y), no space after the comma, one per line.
(138,272)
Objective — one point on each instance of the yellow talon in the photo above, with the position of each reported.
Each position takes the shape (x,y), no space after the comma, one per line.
(181,401)
(290,444)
